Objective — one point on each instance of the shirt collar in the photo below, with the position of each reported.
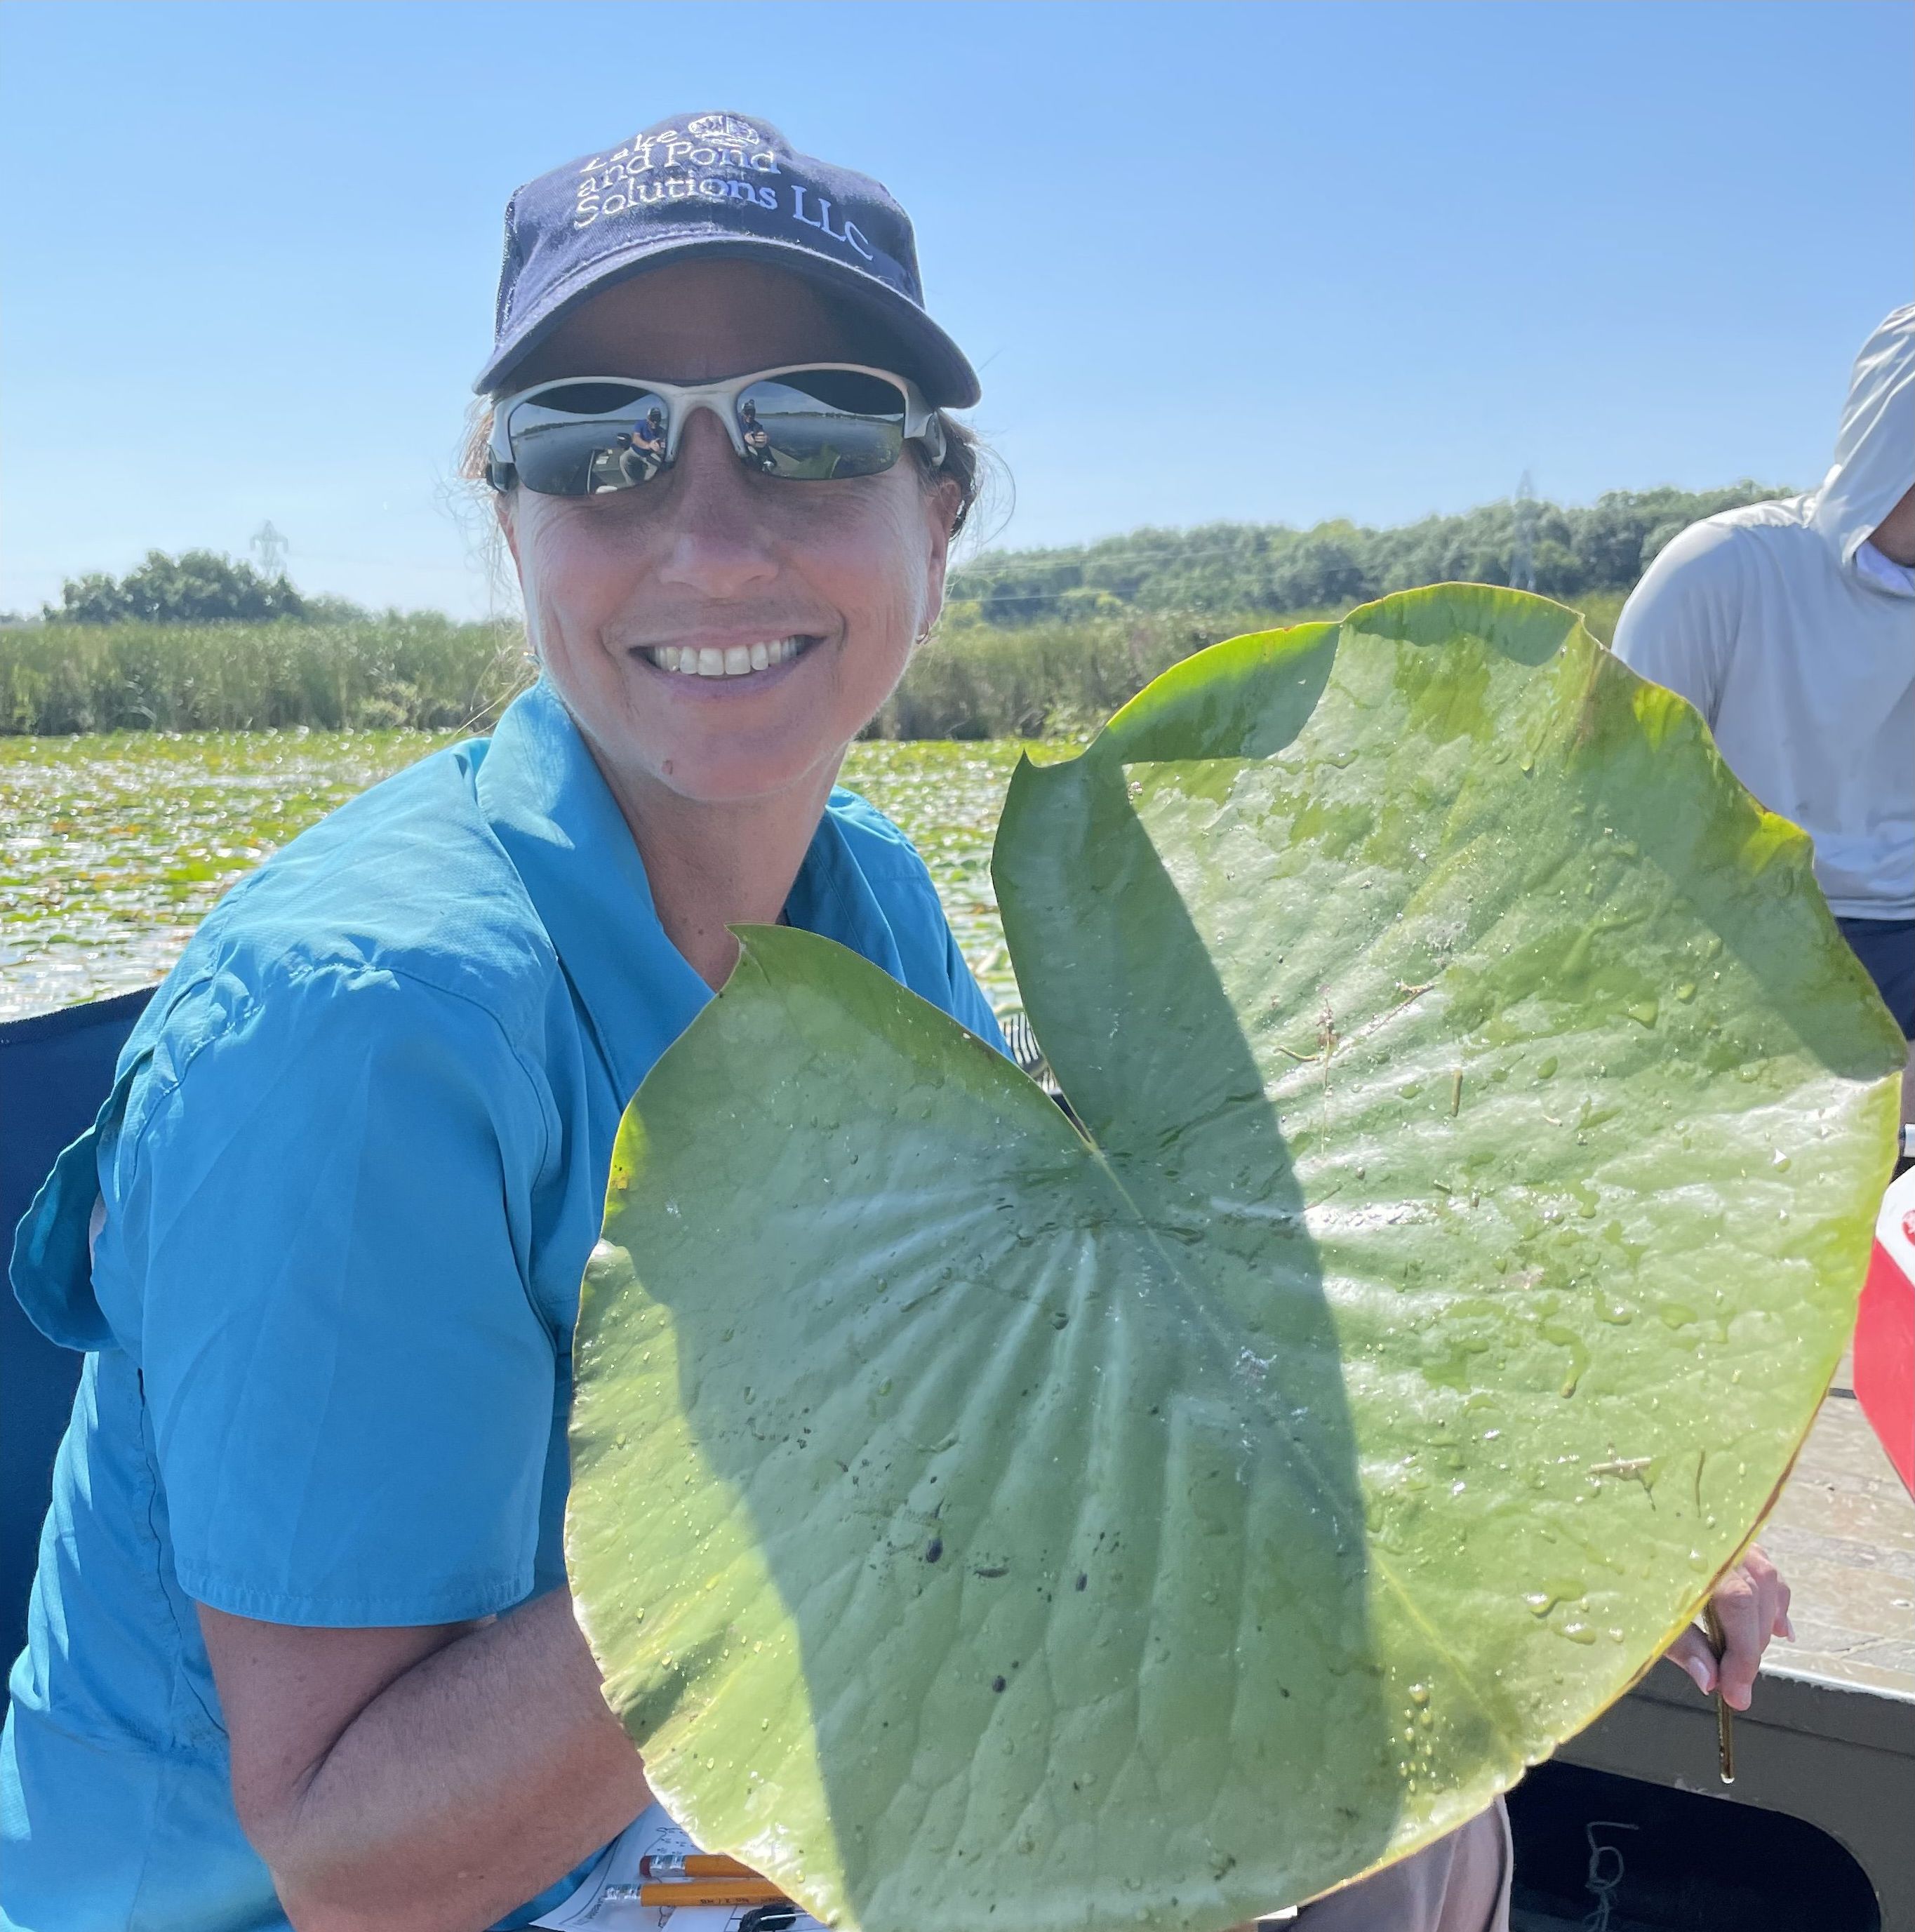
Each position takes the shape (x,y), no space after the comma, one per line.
(549,806)
(832,896)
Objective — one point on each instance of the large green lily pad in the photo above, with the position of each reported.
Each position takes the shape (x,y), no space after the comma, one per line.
(980,1523)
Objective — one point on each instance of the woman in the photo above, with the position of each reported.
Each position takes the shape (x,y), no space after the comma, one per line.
(302,1649)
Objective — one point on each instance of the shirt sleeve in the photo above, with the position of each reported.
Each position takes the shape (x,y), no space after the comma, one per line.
(1678,628)
(349,1391)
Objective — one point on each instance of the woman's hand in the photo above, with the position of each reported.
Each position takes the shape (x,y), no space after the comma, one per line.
(1752,1604)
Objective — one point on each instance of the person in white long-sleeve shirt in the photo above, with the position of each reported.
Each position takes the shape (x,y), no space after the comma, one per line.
(1791,626)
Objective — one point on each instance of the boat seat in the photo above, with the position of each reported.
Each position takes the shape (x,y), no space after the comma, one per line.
(56,1070)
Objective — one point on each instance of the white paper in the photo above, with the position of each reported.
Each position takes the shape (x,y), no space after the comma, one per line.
(608,1899)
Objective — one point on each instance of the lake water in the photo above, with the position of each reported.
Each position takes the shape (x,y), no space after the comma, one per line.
(113,848)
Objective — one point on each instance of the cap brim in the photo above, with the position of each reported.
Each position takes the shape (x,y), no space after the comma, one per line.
(930,357)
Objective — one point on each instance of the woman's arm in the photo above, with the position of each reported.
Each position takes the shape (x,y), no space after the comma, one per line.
(423,1779)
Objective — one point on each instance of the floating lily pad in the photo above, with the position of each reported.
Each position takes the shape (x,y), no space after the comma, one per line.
(981,1522)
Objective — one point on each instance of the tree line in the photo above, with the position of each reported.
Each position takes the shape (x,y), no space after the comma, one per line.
(198,587)
(1602,548)
(1211,569)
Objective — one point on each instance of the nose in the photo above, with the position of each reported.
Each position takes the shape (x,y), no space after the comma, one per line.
(713,533)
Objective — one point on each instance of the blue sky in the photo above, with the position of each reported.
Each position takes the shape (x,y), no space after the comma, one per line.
(1274,262)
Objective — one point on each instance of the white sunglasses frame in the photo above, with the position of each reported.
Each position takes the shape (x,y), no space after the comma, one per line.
(922,421)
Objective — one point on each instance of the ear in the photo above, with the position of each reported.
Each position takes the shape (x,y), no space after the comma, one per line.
(506,508)
(941,512)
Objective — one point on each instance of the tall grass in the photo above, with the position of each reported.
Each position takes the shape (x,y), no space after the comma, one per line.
(421,670)
(982,681)
(978,680)
(971,680)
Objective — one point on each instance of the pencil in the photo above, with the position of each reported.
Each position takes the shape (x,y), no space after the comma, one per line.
(1725,1740)
(691,1864)
(710,1891)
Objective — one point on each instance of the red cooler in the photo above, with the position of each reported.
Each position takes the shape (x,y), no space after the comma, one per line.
(1885,1330)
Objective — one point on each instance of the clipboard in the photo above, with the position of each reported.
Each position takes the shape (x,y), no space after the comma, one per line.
(607,1899)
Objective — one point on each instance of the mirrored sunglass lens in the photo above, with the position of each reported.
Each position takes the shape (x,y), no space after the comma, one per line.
(588,438)
(814,425)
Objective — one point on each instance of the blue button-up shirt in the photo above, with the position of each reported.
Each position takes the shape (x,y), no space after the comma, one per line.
(352,1169)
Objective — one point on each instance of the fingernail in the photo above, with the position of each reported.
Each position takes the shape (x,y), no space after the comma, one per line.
(1699,1671)
(1788,1628)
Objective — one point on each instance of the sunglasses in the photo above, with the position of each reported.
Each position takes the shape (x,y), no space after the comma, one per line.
(585,436)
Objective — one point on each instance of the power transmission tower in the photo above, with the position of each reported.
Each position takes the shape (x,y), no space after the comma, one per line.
(270,548)
(1522,537)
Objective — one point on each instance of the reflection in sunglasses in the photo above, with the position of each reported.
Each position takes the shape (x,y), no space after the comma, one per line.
(588,438)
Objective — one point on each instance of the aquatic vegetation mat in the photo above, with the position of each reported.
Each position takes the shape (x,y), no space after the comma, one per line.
(981,1522)
(113,847)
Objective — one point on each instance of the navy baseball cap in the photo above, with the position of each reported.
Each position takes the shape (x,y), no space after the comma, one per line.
(715,185)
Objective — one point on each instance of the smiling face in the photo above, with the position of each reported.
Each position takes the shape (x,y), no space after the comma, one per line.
(806,596)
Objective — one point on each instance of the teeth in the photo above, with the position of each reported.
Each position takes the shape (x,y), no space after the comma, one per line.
(734,660)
